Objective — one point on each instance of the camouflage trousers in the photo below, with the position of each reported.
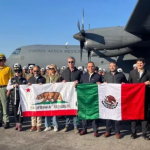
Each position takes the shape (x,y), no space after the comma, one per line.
(4,104)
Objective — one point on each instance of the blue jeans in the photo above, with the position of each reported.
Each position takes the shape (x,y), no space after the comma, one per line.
(48,120)
(68,120)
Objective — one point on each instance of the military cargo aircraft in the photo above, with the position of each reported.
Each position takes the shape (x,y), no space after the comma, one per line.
(123,44)
(43,55)
(114,41)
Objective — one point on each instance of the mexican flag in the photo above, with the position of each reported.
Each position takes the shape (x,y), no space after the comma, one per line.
(111,101)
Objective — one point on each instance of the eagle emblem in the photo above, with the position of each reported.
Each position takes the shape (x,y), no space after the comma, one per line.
(110,102)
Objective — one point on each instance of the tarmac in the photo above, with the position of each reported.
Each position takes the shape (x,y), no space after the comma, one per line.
(11,139)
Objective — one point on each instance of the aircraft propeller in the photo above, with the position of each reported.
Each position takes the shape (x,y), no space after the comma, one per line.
(81,37)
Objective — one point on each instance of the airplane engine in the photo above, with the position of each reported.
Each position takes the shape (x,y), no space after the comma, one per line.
(111,53)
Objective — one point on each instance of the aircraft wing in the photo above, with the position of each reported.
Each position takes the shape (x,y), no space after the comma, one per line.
(139,22)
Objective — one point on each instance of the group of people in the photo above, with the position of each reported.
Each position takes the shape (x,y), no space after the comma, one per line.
(9,83)
(27,71)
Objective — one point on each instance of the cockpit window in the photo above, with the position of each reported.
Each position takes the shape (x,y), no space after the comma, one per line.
(17,51)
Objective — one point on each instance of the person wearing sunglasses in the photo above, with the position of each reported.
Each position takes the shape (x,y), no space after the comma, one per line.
(5,74)
(13,87)
(71,74)
(52,77)
(15,66)
(36,122)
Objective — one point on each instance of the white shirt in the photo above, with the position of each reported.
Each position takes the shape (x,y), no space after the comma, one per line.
(140,73)
(90,76)
(10,86)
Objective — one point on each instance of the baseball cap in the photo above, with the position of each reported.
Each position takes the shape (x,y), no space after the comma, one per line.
(31,67)
(104,70)
(100,69)
(63,67)
(47,67)
(2,56)
(80,68)
(42,69)
(119,70)
(25,67)
(17,65)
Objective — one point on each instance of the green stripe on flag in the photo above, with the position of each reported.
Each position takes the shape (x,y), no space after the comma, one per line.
(88,104)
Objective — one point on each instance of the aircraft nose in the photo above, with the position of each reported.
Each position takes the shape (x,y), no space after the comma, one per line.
(78,37)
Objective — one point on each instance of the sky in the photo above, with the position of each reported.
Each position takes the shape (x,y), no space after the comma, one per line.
(54,22)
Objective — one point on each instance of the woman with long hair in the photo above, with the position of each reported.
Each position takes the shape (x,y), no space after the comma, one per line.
(53,76)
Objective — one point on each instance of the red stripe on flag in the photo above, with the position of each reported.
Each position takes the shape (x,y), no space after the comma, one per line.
(50,113)
(133,101)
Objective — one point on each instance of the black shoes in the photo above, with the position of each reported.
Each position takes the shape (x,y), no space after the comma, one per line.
(6,125)
(1,124)
(133,136)
(145,137)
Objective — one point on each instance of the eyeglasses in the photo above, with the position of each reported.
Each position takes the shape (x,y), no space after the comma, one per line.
(51,68)
(36,71)
(17,71)
(70,62)
(1,60)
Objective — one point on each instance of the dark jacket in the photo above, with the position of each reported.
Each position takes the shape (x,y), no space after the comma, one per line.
(135,78)
(85,78)
(19,81)
(118,77)
(69,76)
(40,79)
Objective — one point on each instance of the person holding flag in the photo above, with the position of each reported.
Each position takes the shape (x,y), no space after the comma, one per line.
(52,77)
(113,77)
(92,78)
(13,87)
(140,75)
(71,74)
(36,122)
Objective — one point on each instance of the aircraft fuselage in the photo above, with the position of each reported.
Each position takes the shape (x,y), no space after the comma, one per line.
(109,38)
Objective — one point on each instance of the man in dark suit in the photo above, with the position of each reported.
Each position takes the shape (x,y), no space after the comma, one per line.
(90,77)
(140,75)
(71,74)
(113,76)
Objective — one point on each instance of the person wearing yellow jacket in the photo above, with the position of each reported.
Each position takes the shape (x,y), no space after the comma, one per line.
(5,74)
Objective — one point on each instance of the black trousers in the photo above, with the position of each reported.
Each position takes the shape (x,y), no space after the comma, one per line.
(109,126)
(144,124)
(85,124)
(18,117)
